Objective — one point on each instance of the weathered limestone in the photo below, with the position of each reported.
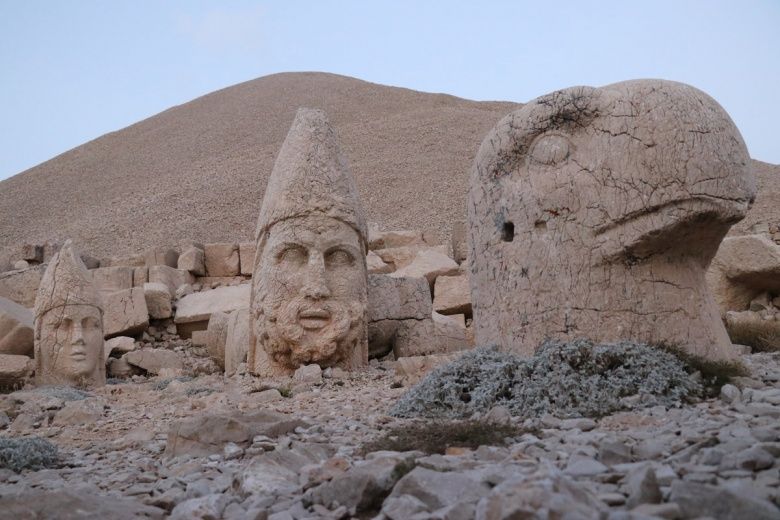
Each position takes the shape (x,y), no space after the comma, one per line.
(376,265)
(201,305)
(193,259)
(120,344)
(158,300)
(237,340)
(68,324)
(743,268)
(246,254)
(222,260)
(140,276)
(436,335)
(309,295)
(161,256)
(593,212)
(391,298)
(32,253)
(172,278)
(156,360)
(451,295)
(126,313)
(112,279)
(391,239)
(428,264)
(400,257)
(125,261)
(16,329)
(22,286)
(14,371)
(216,336)
(459,242)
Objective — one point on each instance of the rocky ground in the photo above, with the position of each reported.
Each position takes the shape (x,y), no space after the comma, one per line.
(231,448)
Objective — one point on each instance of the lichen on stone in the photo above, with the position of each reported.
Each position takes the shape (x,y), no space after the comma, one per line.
(31,453)
(565,379)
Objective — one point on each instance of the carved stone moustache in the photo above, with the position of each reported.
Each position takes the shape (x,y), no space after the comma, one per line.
(309,292)
(68,325)
(594,212)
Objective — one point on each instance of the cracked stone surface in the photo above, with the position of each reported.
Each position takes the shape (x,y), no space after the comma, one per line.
(309,284)
(68,325)
(594,212)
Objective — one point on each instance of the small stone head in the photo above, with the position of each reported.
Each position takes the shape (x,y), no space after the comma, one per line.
(595,211)
(68,324)
(309,294)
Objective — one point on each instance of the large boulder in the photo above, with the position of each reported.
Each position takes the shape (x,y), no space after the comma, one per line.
(398,298)
(158,300)
(172,278)
(743,268)
(125,313)
(16,328)
(193,260)
(207,433)
(73,504)
(428,264)
(197,307)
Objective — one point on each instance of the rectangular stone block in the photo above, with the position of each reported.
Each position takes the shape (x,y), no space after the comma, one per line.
(140,276)
(431,336)
(161,256)
(222,259)
(193,260)
(201,305)
(16,328)
(112,279)
(21,286)
(452,295)
(398,298)
(246,253)
(173,278)
(125,313)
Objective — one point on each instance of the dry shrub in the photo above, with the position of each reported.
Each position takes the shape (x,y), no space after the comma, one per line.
(437,436)
(761,336)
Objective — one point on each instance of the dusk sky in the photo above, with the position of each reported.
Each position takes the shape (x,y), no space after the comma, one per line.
(73,71)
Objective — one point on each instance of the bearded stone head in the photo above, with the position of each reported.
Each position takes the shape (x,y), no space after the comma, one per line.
(309,293)
(68,324)
(594,212)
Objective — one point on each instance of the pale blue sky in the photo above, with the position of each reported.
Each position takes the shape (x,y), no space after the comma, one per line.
(74,70)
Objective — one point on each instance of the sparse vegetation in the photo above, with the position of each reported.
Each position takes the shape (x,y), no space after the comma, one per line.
(31,453)
(163,383)
(437,436)
(572,379)
(761,336)
(193,392)
(713,374)
(65,393)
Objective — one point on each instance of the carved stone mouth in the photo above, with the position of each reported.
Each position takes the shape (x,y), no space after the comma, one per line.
(78,354)
(313,319)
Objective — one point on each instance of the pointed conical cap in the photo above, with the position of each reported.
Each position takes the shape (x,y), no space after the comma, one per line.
(66,281)
(311,177)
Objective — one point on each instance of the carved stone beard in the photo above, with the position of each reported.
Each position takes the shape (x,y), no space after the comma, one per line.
(291,345)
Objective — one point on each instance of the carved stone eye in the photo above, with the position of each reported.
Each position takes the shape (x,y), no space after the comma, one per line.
(550,150)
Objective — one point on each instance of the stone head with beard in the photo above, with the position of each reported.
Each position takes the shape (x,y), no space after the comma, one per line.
(309,285)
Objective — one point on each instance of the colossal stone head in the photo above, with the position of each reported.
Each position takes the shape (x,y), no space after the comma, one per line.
(68,324)
(309,286)
(594,212)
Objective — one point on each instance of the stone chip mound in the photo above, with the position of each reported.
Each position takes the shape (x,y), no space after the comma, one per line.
(573,379)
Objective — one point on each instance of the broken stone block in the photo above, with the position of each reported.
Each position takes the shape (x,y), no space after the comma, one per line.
(90,262)
(16,328)
(222,260)
(216,336)
(376,265)
(237,340)
(744,268)
(22,286)
(172,278)
(120,368)
(119,344)
(398,298)
(460,247)
(155,360)
(32,253)
(201,305)
(246,253)
(123,261)
(381,337)
(414,368)
(15,370)
(452,295)
(161,256)
(21,264)
(429,336)
(208,433)
(140,276)
(762,302)
(193,260)
(399,257)
(200,338)
(391,239)
(158,300)
(112,279)
(125,312)
(428,264)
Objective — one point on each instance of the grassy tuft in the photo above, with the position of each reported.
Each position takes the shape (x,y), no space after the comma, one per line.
(437,436)
(714,374)
(761,336)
